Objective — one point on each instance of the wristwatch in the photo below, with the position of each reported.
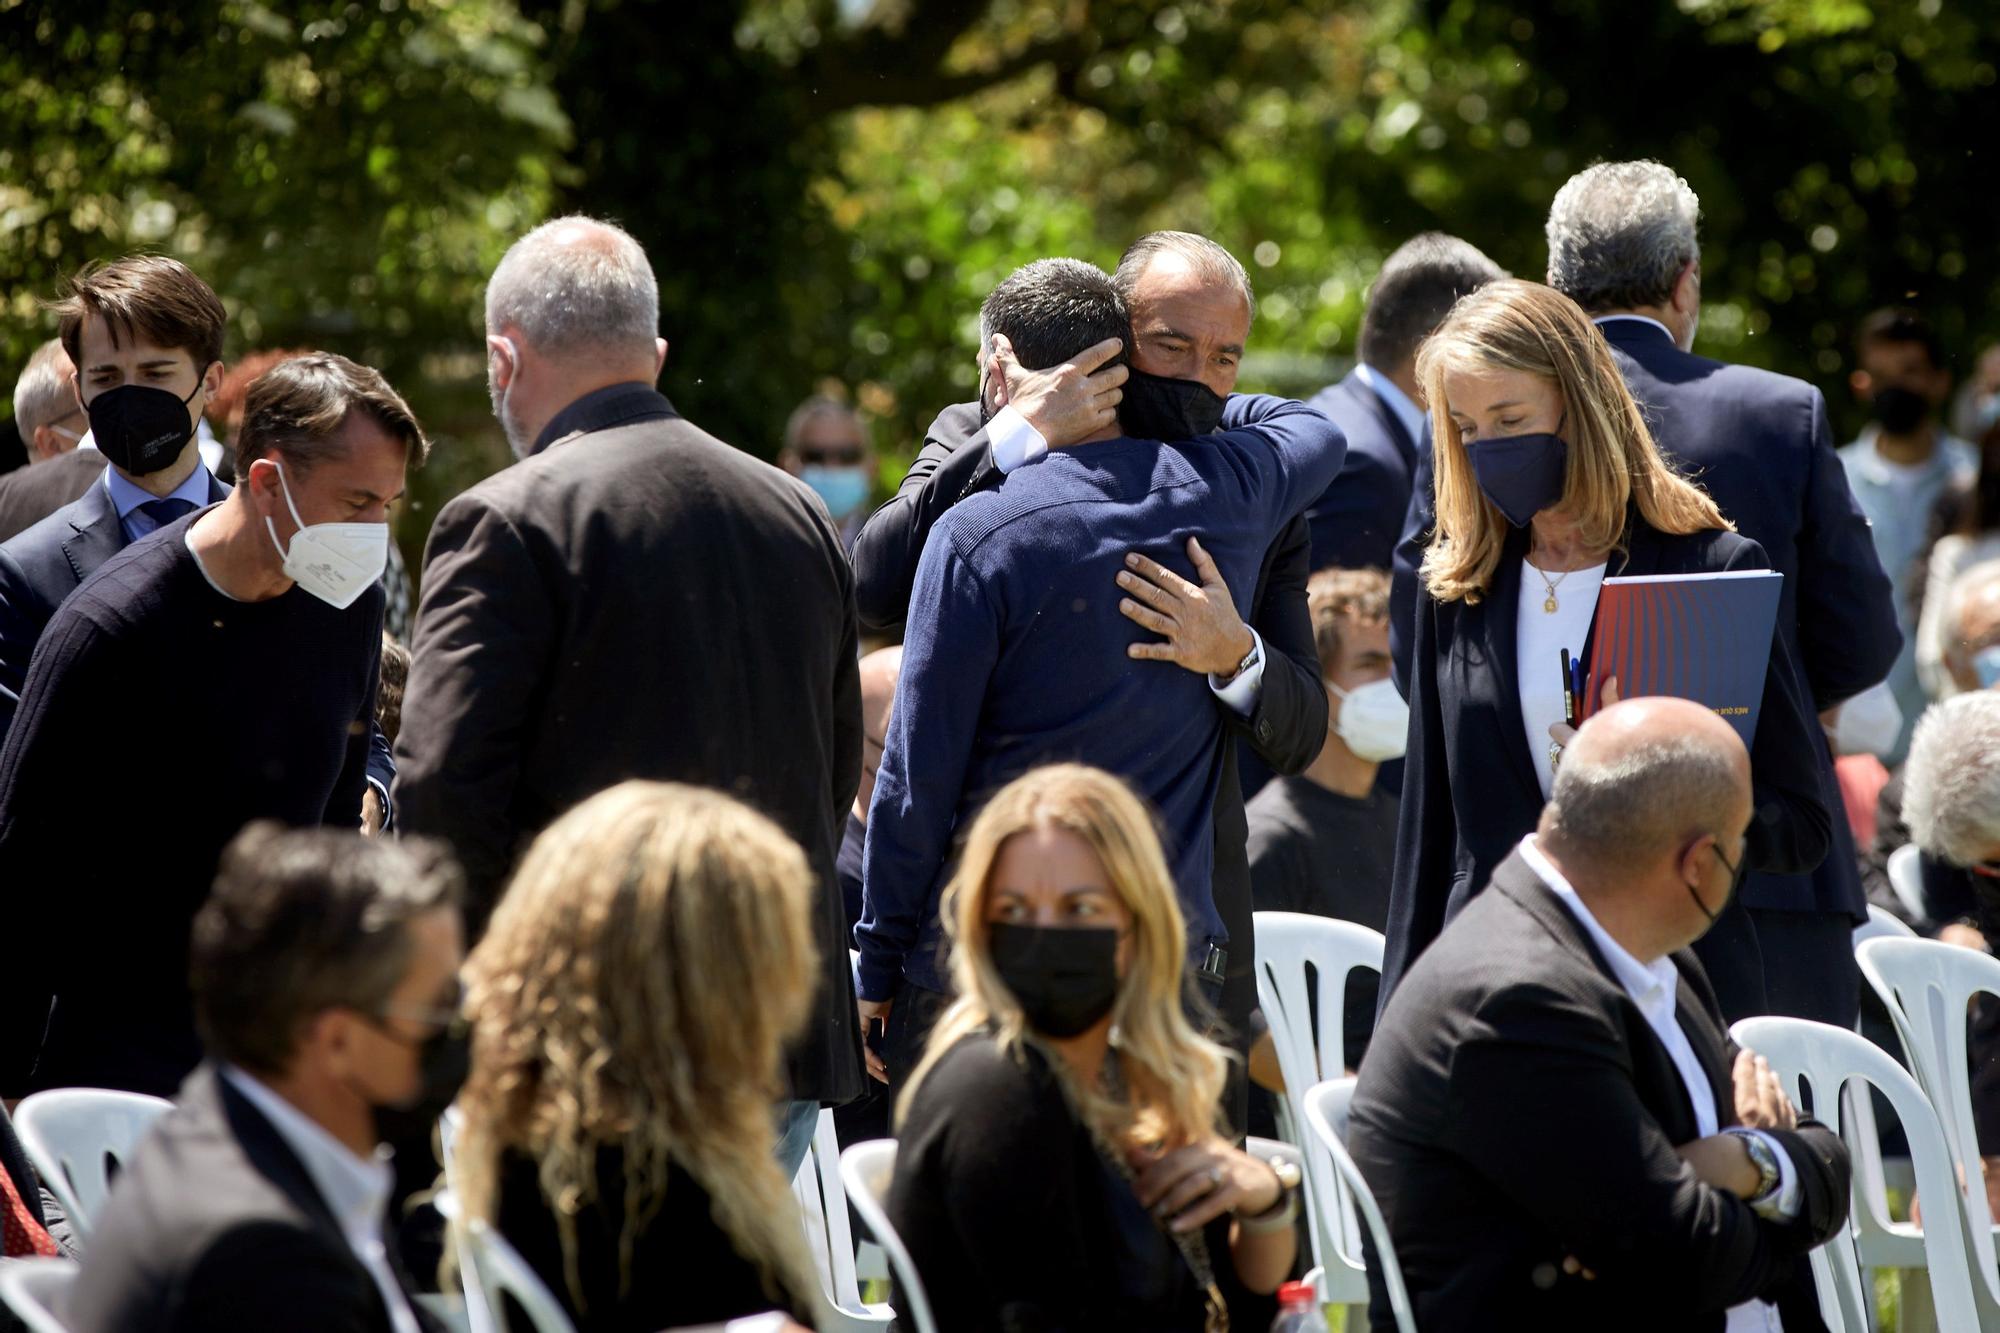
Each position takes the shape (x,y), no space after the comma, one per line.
(1764,1159)
(1249,660)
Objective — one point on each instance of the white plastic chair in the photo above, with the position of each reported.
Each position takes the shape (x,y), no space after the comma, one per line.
(33,1289)
(1906,877)
(865,1169)
(1882,924)
(1300,959)
(1926,985)
(1326,1116)
(1827,1060)
(492,1270)
(823,1206)
(73,1135)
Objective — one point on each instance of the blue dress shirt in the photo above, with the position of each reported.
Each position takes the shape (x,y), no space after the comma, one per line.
(127,497)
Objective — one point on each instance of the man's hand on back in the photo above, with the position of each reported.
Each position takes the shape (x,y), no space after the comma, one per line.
(1199,621)
(1066,403)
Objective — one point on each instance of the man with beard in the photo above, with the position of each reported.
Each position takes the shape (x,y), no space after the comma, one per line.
(1190,309)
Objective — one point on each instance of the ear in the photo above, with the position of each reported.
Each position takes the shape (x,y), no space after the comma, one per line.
(211,379)
(1687,290)
(1693,855)
(41,444)
(659,356)
(498,346)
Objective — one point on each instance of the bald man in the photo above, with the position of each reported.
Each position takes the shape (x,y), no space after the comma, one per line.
(1552,1115)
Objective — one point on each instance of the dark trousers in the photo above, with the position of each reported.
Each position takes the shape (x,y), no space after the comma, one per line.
(1794,964)
(911,1018)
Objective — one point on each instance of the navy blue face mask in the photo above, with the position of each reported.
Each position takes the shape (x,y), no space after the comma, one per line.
(1521,474)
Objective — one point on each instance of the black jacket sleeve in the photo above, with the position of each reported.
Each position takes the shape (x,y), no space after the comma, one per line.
(1848,637)
(1641,1212)
(954,462)
(1288,725)
(1427,824)
(1404,579)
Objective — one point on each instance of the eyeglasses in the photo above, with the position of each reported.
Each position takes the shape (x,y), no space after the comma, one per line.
(832,455)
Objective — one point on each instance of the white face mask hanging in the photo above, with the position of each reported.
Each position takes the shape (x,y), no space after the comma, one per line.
(1374,720)
(335,562)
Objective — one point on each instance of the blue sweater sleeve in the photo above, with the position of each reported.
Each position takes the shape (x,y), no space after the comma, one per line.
(1292,450)
(949,646)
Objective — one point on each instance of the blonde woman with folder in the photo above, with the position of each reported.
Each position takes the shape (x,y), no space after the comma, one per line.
(1547,482)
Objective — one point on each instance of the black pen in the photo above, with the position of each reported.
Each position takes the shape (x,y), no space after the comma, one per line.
(1569,692)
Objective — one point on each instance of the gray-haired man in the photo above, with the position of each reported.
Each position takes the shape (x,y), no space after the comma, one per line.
(633,599)
(51,422)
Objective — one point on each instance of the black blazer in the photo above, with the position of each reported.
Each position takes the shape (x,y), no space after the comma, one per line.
(639,600)
(1760,445)
(45,564)
(1516,1108)
(1470,792)
(215,1224)
(1286,730)
(30,494)
(1356,523)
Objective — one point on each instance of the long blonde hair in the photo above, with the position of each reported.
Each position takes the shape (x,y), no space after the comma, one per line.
(1613,461)
(635,991)
(1173,1076)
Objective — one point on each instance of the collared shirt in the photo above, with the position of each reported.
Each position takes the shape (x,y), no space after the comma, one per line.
(1015,443)
(126,497)
(1653,987)
(356,1192)
(1408,413)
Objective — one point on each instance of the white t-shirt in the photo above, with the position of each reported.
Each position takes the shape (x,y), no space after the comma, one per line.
(1540,637)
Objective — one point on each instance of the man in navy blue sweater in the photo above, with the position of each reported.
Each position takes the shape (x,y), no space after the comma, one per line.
(1016,651)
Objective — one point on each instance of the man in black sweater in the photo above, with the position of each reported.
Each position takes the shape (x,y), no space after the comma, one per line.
(249,633)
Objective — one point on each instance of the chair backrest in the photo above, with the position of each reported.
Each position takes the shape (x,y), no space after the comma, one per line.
(1926,986)
(823,1209)
(1303,964)
(1882,924)
(1826,1060)
(493,1270)
(865,1168)
(33,1289)
(1326,1117)
(75,1135)
(1906,878)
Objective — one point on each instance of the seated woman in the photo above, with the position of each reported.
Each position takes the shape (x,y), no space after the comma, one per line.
(630,1002)
(1548,480)
(1059,1165)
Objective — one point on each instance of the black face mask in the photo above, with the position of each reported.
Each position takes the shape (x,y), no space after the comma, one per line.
(443,1060)
(1157,408)
(1521,474)
(1066,978)
(1900,410)
(1735,883)
(139,428)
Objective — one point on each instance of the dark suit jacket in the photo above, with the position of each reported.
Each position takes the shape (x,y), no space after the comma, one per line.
(30,494)
(1760,445)
(1287,728)
(1516,1108)
(639,600)
(215,1224)
(1356,523)
(45,564)
(1470,791)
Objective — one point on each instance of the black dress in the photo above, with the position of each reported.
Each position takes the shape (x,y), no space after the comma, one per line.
(684,1269)
(1016,1222)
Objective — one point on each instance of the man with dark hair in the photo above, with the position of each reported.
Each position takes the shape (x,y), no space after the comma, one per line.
(258,620)
(1552,1115)
(1018,652)
(1356,523)
(1899,466)
(325,981)
(144,336)
(1191,307)
(50,422)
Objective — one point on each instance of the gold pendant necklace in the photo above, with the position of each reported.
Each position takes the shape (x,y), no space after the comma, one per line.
(1549,603)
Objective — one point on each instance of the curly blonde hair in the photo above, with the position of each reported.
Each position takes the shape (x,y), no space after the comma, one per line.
(1173,1075)
(635,991)
(1613,462)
